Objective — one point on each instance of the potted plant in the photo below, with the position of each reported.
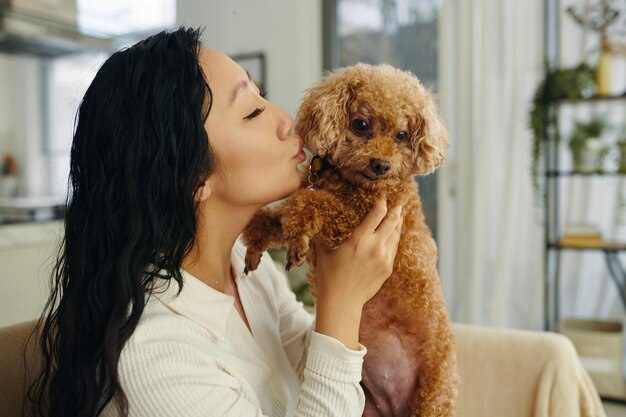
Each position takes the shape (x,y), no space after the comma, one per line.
(559,83)
(588,151)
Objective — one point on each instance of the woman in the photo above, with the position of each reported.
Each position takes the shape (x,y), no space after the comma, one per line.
(174,150)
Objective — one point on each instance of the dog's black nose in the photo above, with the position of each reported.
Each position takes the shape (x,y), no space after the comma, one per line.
(379,166)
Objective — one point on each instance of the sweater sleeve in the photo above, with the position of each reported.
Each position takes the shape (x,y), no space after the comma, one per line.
(326,367)
(182,378)
(331,379)
(296,324)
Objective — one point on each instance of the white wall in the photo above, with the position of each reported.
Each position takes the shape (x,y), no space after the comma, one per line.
(288,31)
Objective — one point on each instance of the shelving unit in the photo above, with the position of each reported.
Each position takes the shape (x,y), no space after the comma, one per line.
(554,177)
(553,245)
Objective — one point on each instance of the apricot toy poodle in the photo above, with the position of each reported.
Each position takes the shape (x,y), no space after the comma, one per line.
(371,130)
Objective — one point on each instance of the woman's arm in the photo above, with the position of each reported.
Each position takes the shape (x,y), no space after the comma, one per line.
(169,368)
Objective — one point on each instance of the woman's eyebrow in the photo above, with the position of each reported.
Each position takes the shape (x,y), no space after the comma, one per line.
(240,86)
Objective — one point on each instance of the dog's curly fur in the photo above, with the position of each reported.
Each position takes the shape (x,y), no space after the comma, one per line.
(378,127)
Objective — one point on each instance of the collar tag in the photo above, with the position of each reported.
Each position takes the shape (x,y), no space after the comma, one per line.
(317,166)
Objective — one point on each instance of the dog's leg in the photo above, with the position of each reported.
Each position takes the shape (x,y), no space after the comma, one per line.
(438,378)
(298,239)
(313,215)
(263,231)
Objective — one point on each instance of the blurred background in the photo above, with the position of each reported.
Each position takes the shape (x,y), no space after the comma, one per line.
(528,211)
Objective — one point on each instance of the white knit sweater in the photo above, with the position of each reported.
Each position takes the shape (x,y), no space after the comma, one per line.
(192,355)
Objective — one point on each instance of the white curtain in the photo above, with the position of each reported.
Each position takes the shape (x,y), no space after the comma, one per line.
(491,238)
(491,232)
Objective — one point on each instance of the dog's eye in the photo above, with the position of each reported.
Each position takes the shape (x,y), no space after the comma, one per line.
(401,135)
(360,125)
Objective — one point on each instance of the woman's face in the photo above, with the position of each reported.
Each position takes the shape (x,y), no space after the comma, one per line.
(257,151)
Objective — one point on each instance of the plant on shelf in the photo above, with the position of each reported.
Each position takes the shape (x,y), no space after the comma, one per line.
(559,83)
(588,151)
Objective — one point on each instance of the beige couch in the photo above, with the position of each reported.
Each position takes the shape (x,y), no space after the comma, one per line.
(504,373)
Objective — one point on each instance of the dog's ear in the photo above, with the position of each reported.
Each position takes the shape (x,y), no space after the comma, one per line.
(429,139)
(324,112)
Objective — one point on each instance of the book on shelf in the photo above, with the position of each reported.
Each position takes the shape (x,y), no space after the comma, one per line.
(581,240)
(581,234)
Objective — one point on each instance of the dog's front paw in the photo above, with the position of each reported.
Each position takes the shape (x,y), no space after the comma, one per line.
(253,259)
(296,253)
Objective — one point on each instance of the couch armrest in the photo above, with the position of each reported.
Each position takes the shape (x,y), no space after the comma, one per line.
(14,377)
(511,373)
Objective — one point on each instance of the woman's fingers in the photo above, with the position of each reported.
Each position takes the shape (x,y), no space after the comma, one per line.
(373,219)
(394,238)
(388,225)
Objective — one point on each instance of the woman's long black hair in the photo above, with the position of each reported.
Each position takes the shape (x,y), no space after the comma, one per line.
(139,155)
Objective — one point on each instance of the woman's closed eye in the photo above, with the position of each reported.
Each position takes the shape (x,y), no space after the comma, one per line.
(255,113)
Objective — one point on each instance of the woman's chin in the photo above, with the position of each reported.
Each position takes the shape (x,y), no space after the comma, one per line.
(292,190)
(284,195)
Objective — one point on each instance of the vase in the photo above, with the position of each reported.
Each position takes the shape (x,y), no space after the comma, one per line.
(588,159)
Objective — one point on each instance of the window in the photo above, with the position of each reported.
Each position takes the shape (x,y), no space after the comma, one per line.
(66,79)
(121,17)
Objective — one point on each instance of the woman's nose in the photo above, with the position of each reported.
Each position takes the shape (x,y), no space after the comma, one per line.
(285,124)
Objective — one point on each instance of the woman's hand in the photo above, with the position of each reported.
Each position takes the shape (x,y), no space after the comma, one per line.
(350,275)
